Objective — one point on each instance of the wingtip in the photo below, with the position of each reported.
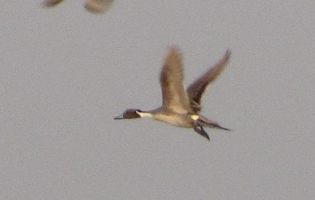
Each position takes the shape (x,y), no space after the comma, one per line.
(174,49)
(173,55)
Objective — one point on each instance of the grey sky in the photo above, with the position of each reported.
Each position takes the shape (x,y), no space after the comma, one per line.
(65,73)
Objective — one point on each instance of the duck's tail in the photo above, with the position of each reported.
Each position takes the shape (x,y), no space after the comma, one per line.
(211,124)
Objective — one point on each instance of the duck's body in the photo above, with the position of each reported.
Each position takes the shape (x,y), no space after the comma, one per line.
(181,108)
(170,117)
(175,119)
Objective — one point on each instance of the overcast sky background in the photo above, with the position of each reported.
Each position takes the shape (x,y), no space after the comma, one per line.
(65,73)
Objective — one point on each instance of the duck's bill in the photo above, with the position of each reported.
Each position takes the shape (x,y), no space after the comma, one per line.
(119,117)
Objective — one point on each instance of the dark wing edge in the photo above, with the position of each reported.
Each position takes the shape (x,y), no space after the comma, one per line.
(197,88)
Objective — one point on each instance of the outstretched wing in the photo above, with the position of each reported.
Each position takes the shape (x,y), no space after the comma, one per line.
(171,79)
(196,89)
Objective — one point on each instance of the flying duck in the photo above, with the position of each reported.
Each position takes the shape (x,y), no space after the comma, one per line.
(181,107)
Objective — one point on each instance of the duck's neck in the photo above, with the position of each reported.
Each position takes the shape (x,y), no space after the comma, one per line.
(145,114)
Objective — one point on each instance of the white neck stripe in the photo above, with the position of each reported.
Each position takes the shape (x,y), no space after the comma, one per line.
(144,114)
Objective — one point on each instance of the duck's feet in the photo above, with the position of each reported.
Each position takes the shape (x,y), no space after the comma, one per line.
(199,129)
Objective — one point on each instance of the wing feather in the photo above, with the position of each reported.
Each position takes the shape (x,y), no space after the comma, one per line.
(171,79)
(196,89)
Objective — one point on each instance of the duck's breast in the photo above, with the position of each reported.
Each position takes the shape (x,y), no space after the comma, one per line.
(174,119)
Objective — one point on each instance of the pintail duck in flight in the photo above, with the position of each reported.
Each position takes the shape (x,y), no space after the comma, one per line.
(181,108)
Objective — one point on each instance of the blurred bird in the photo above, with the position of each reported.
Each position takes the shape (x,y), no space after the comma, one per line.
(98,6)
(179,107)
(51,3)
(95,6)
